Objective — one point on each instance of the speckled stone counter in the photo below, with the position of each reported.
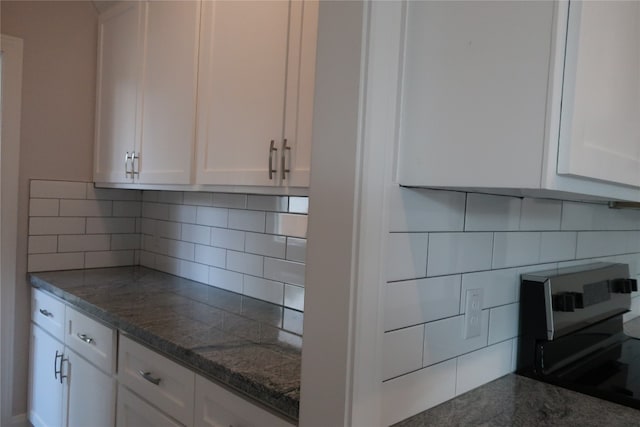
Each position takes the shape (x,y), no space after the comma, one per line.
(247,344)
(519,401)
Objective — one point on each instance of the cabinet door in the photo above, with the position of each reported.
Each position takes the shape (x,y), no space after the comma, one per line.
(45,387)
(91,394)
(301,68)
(118,90)
(216,407)
(169,85)
(242,83)
(135,412)
(600,119)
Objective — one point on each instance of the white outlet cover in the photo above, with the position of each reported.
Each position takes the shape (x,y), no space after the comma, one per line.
(473,314)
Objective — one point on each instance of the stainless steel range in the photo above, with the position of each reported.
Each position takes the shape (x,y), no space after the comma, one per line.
(571,331)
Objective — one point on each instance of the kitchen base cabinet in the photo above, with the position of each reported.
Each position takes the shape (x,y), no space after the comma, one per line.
(216,407)
(65,389)
(91,394)
(135,412)
(45,387)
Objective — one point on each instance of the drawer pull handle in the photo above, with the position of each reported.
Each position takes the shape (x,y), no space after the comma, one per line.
(46,313)
(147,376)
(86,338)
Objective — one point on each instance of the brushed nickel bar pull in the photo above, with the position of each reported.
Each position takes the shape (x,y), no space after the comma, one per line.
(271,150)
(86,338)
(46,313)
(285,149)
(147,376)
(126,164)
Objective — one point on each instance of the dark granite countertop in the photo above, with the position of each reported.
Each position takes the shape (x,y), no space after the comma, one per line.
(246,344)
(514,400)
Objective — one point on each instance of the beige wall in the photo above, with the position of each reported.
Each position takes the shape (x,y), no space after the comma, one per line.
(58,99)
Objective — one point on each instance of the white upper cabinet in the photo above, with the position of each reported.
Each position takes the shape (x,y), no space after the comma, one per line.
(118,86)
(147,80)
(244,69)
(522,97)
(257,61)
(600,118)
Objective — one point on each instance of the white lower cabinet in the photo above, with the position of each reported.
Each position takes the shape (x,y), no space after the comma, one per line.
(135,412)
(45,389)
(65,389)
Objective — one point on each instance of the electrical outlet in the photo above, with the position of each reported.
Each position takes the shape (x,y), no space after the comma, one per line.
(473,314)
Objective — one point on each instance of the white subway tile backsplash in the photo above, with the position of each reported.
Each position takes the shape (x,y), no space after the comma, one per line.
(182,213)
(215,257)
(299,205)
(584,216)
(155,210)
(451,253)
(499,287)
(482,366)
(225,279)
(58,190)
(406,256)
(44,207)
(263,289)
(558,246)
(55,225)
(426,210)
(148,226)
(444,339)
(147,259)
(110,225)
(515,248)
(601,243)
(127,209)
(108,259)
(402,351)
(503,323)
(84,243)
(194,271)
(198,199)
(173,197)
(112,194)
(296,249)
(168,264)
(265,244)
(228,239)
(47,262)
(286,224)
(247,220)
(180,249)
(196,234)
(492,213)
(42,244)
(419,301)
(245,263)
(228,200)
(284,271)
(215,217)
(410,394)
(99,208)
(125,241)
(168,229)
(294,297)
(268,203)
(540,215)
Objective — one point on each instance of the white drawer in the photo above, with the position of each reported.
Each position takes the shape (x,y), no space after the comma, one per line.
(48,312)
(91,339)
(217,407)
(135,412)
(157,379)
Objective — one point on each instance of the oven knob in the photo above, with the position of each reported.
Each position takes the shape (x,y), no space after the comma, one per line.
(624,286)
(563,302)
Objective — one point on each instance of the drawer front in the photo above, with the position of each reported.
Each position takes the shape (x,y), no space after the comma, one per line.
(217,407)
(48,313)
(91,339)
(157,379)
(135,412)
